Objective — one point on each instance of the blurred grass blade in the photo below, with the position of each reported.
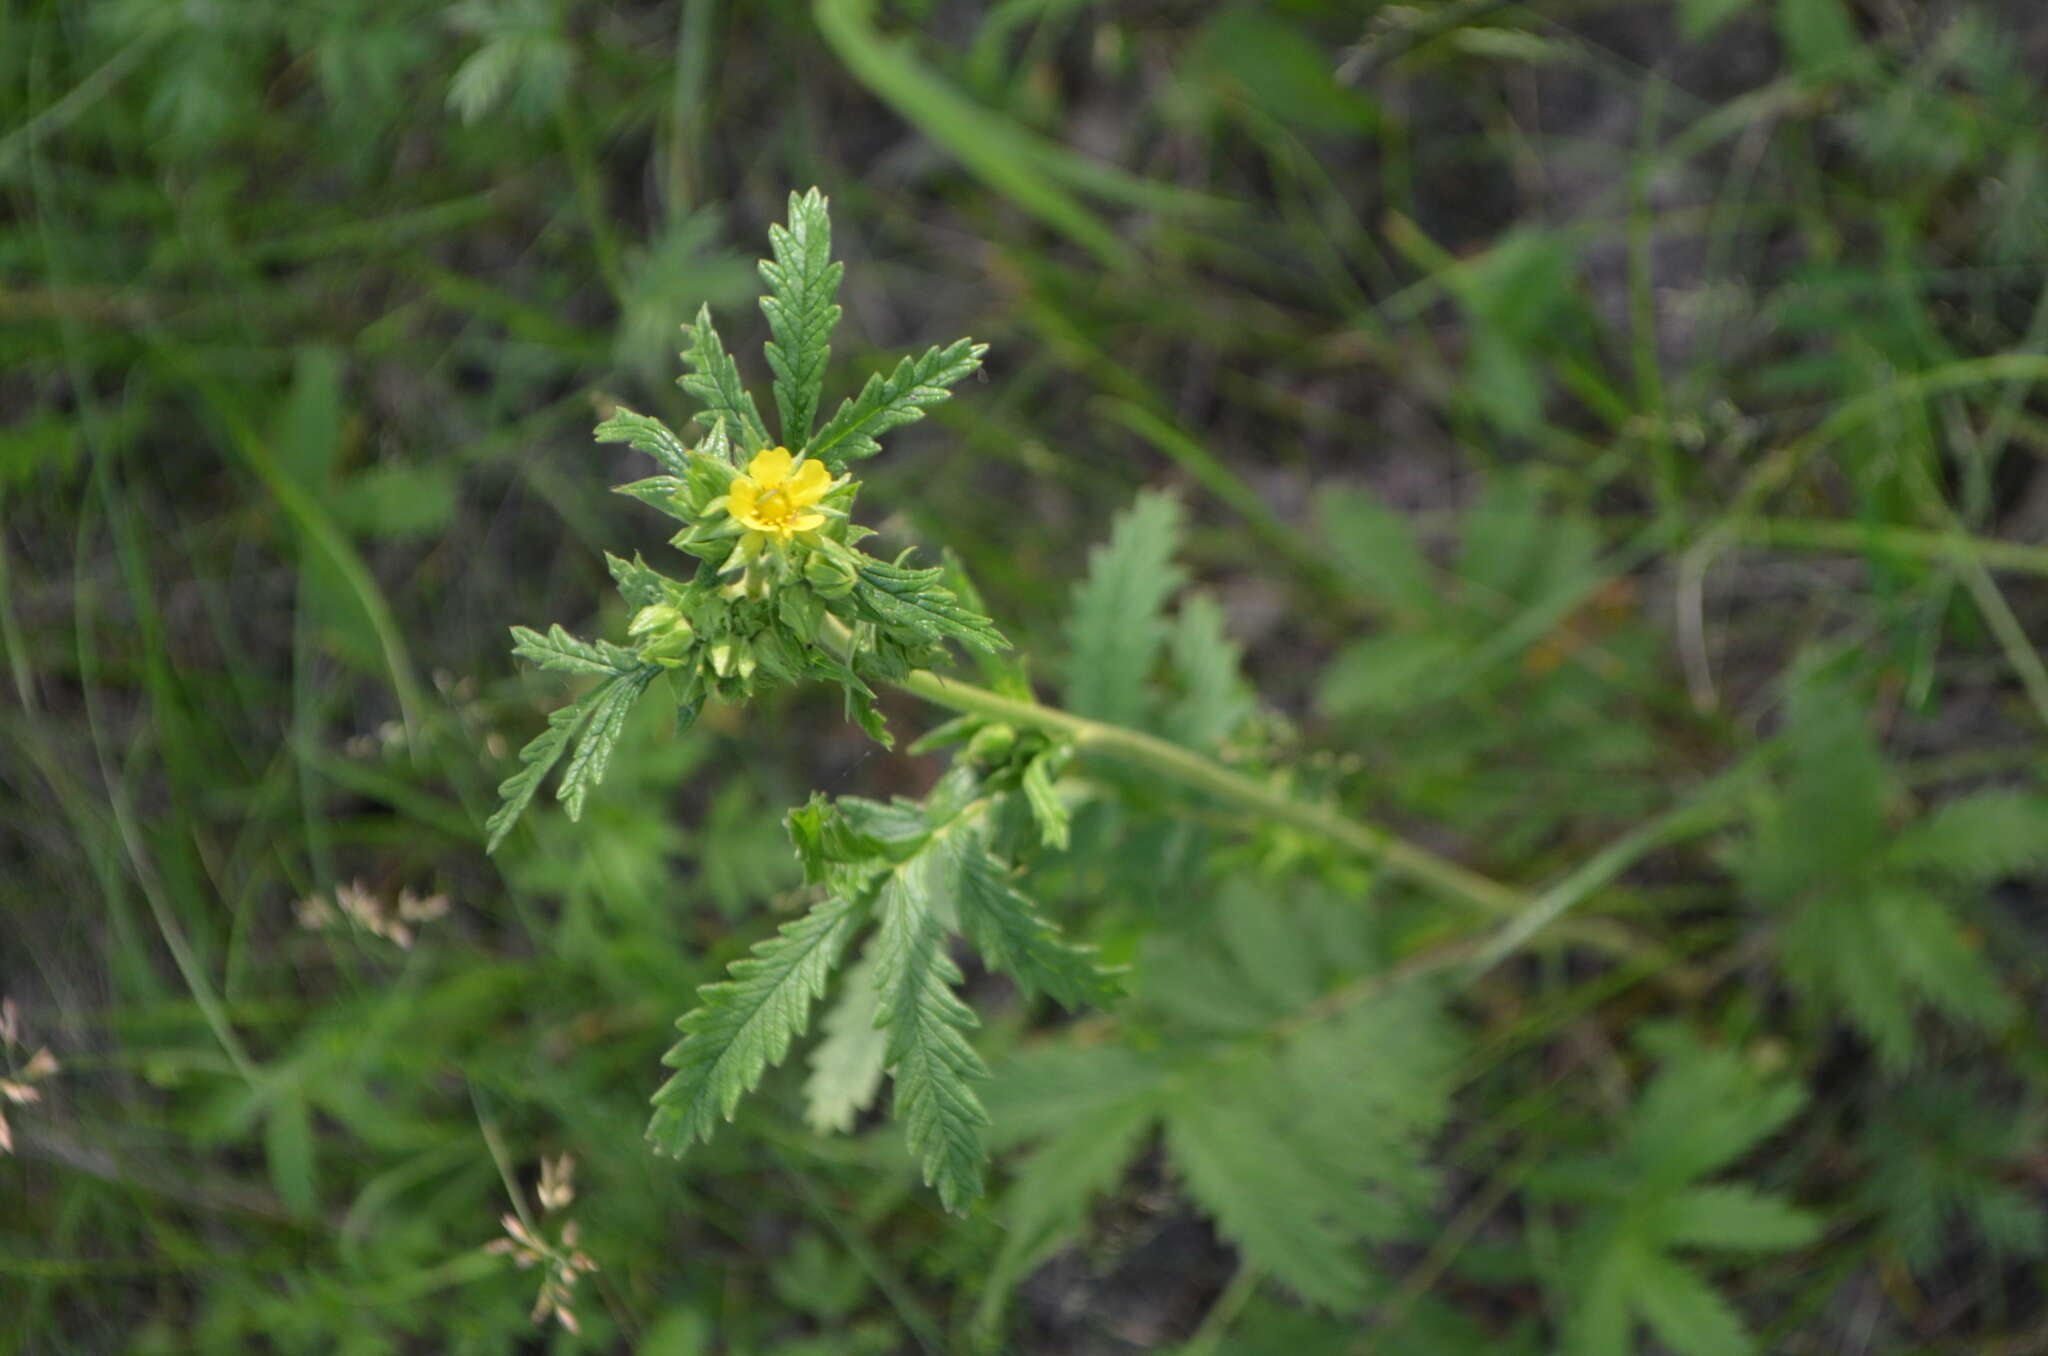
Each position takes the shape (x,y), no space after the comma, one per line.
(1018,164)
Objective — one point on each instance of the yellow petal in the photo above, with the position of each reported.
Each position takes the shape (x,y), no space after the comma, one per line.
(769,468)
(806,522)
(739,500)
(810,484)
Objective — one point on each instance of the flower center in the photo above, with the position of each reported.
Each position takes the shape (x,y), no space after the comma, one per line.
(774,507)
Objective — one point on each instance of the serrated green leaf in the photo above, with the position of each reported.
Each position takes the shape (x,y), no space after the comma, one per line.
(745,1024)
(1830,824)
(1370,1088)
(639,584)
(1007,929)
(1932,956)
(1392,672)
(1702,1112)
(715,379)
(848,1064)
(1734,1217)
(1041,1091)
(802,281)
(887,403)
(482,79)
(1827,953)
(1213,699)
(933,1065)
(647,434)
(1265,1198)
(1600,1322)
(612,702)
(1118,625)
(1978,839)
(916,601)
(853,830)
(563,652)
(539,756)
(1686,1313)
(1877,951)
(1376,550)
(1706,1108)
(1939,1150)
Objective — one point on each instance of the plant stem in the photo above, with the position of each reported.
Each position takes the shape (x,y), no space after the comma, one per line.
(1198,773)
(1520,914)
(2014,557)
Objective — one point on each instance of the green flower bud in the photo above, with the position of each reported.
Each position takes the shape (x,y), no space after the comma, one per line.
(664,633)
(659,619)
(991,743)
(733,659)
(831,576)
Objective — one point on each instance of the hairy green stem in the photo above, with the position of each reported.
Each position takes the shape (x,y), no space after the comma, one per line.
(1198,773)
(1518,913)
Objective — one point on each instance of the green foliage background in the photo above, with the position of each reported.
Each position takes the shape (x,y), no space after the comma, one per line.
(1600,442)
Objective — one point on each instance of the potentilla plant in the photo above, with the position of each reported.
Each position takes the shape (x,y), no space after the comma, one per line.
(1292,1070)
(781,594)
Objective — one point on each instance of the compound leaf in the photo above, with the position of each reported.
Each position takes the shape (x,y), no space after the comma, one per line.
(934,1066)
(1010,933)
(1702,1112)
(545,749)
(1267,1200)
(609,706)
(744,1024)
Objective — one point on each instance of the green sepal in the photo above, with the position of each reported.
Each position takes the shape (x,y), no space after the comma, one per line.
(954,732)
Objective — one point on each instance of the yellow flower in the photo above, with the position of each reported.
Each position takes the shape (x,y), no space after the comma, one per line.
(770,501)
